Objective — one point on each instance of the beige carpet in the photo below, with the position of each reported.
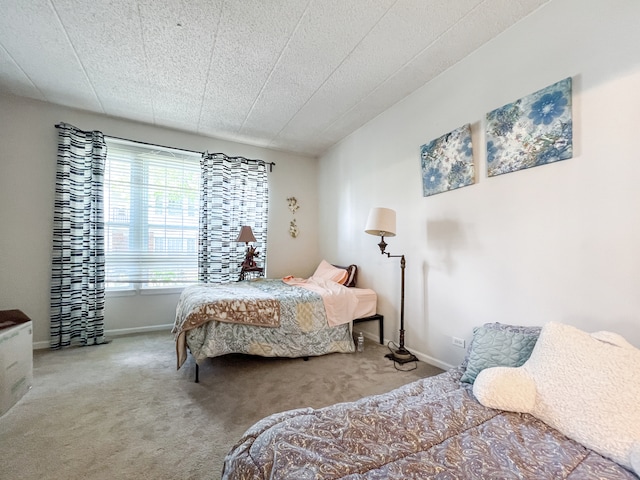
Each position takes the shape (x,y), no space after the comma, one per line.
(122,411)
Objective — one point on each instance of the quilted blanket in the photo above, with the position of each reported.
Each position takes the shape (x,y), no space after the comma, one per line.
(431,428)
(211,320)
(242,302)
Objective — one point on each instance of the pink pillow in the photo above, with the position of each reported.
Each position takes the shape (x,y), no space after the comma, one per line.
(327,271)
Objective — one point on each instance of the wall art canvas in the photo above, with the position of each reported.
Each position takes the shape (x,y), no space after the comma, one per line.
(535,130)
(447,162)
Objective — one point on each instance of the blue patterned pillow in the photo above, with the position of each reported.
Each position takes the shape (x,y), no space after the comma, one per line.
(498,345)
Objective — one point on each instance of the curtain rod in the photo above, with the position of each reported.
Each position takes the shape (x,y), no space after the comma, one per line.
(271,164)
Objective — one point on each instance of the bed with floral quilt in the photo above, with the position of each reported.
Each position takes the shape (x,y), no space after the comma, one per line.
(288,317)
(525,404)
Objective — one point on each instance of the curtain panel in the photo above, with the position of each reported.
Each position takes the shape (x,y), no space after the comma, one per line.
(234,192)
(78,264)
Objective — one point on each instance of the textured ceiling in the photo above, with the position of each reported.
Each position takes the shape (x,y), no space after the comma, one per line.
(295,75)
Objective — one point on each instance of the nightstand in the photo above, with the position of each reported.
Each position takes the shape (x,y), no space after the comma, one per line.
(380,319)
(251,272)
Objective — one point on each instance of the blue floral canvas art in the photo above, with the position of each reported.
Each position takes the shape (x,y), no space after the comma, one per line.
(532,131)
(447,162)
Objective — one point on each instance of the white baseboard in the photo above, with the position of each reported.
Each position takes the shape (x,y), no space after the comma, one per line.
(128,331)
(432,361)
(118,332)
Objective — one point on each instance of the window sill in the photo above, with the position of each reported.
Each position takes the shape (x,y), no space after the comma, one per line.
(161,291)
(144,291)
(120,293)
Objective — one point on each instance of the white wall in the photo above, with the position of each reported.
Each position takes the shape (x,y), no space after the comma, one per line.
(553,243)
(28,144)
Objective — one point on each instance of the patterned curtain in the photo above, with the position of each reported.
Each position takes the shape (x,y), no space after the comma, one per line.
(234,192)
(77,276)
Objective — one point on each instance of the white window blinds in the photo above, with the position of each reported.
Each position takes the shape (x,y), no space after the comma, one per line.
(151,200)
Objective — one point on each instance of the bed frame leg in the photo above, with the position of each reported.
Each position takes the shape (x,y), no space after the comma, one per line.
(197,373)
(306,359)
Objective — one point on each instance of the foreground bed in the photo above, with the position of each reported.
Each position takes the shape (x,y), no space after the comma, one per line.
(431,428)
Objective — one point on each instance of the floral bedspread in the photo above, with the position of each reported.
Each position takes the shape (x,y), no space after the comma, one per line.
(241,302)
(431,428)
(294,317)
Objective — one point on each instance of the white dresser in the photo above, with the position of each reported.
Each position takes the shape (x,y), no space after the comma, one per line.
(16,364)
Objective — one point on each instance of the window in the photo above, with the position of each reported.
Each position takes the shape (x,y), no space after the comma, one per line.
(151,200)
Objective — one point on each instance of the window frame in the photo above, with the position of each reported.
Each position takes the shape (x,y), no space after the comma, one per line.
(142,206)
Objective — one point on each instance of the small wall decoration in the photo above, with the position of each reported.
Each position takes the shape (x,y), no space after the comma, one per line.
(447,162)
(293,207)
(293,204)
(293,228)
(532,131)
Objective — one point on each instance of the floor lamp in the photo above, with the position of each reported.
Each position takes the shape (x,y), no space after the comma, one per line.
(382,222)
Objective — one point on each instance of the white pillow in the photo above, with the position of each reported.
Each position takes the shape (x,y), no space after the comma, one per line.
(584,385)
(327,271)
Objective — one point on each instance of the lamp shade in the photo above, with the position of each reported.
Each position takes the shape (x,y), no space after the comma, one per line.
(381,221)
(246,235)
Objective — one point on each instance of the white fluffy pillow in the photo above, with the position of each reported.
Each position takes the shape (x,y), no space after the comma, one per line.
(584,385)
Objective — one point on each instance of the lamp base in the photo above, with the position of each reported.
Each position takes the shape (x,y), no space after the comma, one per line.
(402,356)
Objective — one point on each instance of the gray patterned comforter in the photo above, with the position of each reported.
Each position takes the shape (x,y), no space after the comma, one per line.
(303,329)
(429,429)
